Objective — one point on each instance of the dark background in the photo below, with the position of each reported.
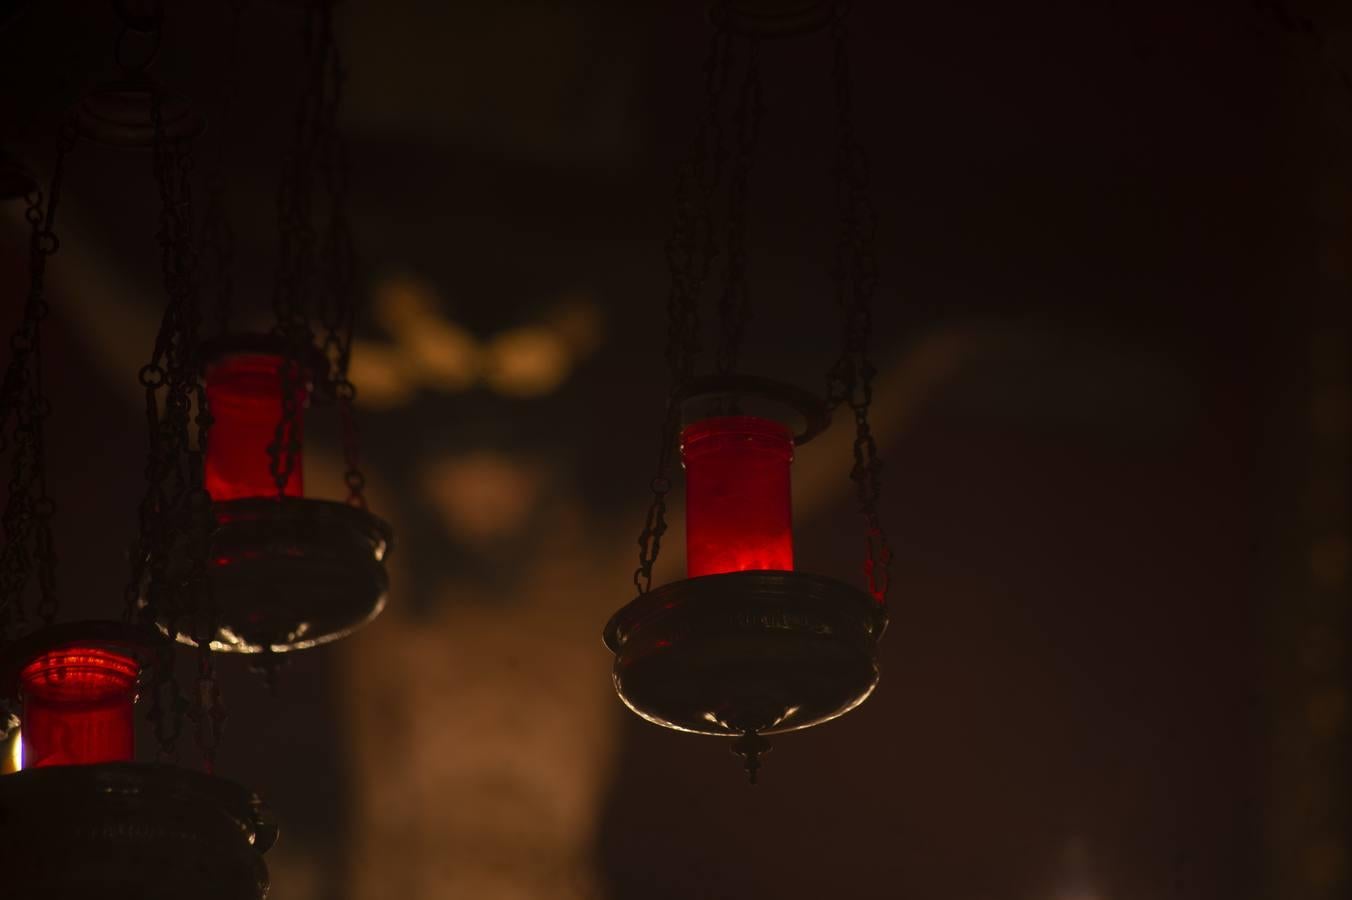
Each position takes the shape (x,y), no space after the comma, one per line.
(1114,405)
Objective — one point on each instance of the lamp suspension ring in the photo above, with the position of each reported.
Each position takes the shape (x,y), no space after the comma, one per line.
(709,395)
(310,357)
(121,113)
(121,637)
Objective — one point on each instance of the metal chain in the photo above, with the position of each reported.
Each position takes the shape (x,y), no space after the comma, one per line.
(690,250)
(328,272)
(296,257)
(337,287)
(218,235)
(170,582)
(337,263)
(29,508)
(296,237)
(855,272)
(734,305)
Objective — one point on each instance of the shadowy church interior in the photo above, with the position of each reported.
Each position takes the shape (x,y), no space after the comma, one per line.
(699,450)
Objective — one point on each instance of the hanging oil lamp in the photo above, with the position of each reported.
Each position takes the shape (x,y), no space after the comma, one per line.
(81,816)
(290,571)
(747,646)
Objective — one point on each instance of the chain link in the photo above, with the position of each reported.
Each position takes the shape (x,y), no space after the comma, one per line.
(338,262)
(325,271)
(170,582)
(296,256)
(734,306)
(29,508)
(855,273)
(690,251)
(218,235)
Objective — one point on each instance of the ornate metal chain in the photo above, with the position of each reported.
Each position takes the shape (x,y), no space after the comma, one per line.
(734,306)
(296,254)
(218,237)
(26,520)
(855,272)
(690,250)
(337,287)
(169,581)
(328,272)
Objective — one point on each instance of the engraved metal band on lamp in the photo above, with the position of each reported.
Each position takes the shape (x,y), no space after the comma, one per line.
(81,817)
(289,572)
(739,649)
(132,831)
(77,684)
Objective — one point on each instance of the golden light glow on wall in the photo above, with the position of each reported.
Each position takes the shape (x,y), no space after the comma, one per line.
(481,496)
(1075,879)
(526,362)
(428,351)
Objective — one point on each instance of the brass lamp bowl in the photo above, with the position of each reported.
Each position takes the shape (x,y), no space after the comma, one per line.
(746,653)
(129,831)
(293,573)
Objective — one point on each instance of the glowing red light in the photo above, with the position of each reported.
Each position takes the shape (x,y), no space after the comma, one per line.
(738,511)
(77,707)
(245,393)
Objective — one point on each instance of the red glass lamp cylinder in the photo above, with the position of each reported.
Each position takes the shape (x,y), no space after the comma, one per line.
(245,394)
(738,509)
(77,707)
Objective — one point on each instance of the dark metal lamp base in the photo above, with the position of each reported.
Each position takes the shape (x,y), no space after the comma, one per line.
(125,831)
(746,654)
(294,573)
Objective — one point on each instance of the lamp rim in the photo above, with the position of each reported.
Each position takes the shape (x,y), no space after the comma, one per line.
(258,343)
(137,641)
(815,414)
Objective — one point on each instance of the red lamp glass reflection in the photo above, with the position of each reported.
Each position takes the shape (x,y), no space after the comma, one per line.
(738,509)
(245,393)
(77,707)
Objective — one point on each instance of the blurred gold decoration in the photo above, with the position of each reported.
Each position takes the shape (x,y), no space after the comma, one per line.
(385,377)
(526,362)
(430,351)
(577,319)
(435,351)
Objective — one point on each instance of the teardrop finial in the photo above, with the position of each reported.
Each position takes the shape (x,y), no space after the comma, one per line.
(751,747)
